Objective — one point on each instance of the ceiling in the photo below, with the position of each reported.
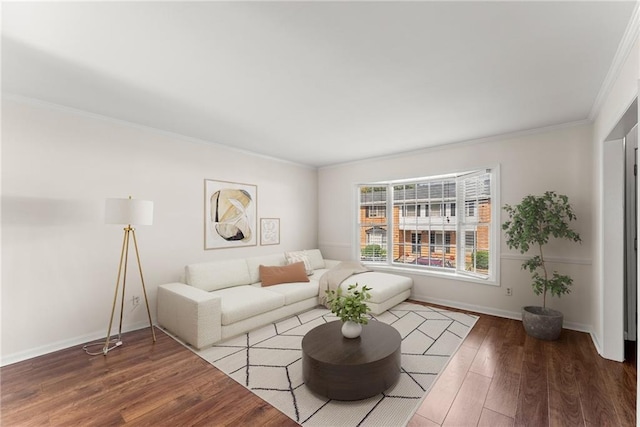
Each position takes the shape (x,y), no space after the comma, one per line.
(317,83)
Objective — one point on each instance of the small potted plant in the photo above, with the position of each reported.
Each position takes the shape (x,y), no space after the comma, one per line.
(532,223)
(351,307)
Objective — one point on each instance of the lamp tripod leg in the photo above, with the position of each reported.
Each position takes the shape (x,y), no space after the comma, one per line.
(144,289)
(105,349)
(128,231)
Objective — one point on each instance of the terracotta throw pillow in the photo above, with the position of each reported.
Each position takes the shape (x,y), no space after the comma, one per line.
(286,274)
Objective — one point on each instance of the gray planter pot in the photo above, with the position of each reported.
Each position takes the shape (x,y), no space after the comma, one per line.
(542,323)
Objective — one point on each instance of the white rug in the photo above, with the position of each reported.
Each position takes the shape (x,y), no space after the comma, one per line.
(268,361)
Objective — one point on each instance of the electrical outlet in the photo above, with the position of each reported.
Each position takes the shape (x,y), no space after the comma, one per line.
(135,301)
(509,292)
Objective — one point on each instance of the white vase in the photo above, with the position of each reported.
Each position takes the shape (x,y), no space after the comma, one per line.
(351,329)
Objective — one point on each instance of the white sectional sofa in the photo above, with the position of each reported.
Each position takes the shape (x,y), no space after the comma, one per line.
(225,298)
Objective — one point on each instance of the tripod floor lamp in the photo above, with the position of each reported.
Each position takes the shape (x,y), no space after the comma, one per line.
(127,212)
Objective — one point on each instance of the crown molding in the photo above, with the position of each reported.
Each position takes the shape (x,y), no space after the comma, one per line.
(83,113)
(627,43)
(463,143)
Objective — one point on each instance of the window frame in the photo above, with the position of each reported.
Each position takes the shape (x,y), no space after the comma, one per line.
(458,271)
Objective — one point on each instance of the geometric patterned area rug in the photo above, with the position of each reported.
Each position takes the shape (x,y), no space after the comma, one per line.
(268,361)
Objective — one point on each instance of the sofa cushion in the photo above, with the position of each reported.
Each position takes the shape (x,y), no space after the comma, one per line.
(317,274)
(274,275)
(211,276)
(254,264)
(300,256)
(294,292)
(242,302)
(383,285)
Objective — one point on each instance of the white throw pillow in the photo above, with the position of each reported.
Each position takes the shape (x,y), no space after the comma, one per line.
(315,258)
(299,256)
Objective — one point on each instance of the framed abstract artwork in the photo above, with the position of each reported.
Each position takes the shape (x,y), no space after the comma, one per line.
(269,231)
(230,210)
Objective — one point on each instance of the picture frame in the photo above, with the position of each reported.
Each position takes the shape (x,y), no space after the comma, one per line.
(269,231)
(230,214)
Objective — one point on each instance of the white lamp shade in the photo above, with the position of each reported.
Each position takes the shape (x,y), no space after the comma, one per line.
(129,211)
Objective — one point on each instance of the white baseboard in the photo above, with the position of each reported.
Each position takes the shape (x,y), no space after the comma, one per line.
(471,307)
(596,343)
(497,312)
(61,345)
(77,341)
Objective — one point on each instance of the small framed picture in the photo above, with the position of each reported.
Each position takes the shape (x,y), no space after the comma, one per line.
(269,231)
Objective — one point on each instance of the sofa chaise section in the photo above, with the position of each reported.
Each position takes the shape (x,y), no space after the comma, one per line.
(387,290)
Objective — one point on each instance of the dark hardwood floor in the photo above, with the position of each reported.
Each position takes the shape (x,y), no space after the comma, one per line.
(499,376)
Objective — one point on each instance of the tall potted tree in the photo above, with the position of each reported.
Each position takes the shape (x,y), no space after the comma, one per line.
(531,224)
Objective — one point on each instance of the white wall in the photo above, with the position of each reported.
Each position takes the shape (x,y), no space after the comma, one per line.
(607,311)
(613,255)
(59,259)
(559,160)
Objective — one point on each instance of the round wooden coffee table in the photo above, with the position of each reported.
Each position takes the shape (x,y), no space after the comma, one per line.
(351,368)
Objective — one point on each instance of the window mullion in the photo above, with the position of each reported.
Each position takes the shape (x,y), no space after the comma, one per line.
(460,233)
(390,223)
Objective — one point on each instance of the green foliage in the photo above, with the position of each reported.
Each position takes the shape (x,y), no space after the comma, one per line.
(350,305)
(376,251)
(481,259)
(532,223)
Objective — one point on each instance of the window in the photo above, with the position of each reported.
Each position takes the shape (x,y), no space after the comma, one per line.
(447,242)
(435,239)
(470,208)
(445,224)
(470,239)
(410,210)
(376,211)
(416,240)
(477,224)
(377,236)
(435,209)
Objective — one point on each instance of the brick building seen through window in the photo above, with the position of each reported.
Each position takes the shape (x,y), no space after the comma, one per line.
(426,220)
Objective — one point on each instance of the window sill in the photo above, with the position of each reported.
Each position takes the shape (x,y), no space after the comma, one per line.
(421,271)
